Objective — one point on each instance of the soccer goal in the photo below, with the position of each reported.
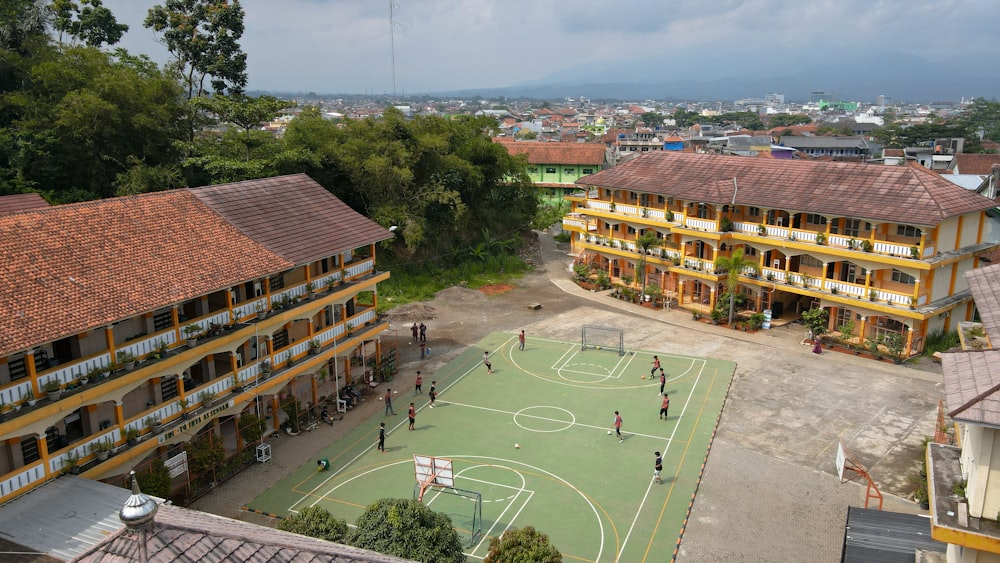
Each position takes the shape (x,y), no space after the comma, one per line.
(602,338)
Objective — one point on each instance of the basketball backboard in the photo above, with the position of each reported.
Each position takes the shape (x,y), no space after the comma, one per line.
(437,470)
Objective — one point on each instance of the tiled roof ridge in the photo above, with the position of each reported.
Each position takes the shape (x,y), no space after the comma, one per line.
(920,174)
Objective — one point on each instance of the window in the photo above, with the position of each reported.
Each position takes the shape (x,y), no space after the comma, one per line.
(660,199)
(633,196)
(851,227)
(908,231)
(749,251)
(630,231)
(533,170)
(607,193)
(810,262)
(814,219)
(900,277)
(702,211)
(550,170)
(588,170)
(569,170)
(754,212)
(844,316)
(616,228)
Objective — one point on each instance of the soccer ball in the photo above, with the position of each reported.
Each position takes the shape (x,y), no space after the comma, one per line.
(380,398)
(517,446)
(598,347)
(642,377)
(609,432)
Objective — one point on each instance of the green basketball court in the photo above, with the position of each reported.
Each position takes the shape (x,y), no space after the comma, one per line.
(532,440)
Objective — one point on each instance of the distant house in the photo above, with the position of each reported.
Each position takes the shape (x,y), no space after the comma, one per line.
(20,202)
(839,148)
(555,167)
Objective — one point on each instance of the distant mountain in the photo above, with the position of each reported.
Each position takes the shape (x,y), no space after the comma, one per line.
(859,76)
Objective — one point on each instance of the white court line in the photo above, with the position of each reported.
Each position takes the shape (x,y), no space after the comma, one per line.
(547,419)
(488,533)
(666,447)
(365,450)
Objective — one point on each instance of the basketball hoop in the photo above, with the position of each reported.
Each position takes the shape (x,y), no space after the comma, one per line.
(849,469)
(430,470)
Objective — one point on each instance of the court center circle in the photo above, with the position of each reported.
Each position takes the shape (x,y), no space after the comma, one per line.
(541,422)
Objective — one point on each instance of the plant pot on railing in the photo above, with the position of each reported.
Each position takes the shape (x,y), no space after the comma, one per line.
(52,390)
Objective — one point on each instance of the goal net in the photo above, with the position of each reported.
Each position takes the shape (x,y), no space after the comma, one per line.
(602,338)
(465,508)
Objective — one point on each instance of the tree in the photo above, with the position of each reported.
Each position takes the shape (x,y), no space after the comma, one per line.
(88,22)
(409,529)
(651,119)
(204,36)
(522,545)
(816,320)
(315,522)
(645,241)
(156,481)
(733,265)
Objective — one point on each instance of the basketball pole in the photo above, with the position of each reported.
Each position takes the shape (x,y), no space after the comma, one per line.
(847,462)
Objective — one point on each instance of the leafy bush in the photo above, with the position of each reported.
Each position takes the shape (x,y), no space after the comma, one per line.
(939,341)
(156,481)
(522,544)
(816,320)
(409,529)
(563,236)
(315,522)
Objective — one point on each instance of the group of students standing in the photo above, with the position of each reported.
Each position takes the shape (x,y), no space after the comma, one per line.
(411,412)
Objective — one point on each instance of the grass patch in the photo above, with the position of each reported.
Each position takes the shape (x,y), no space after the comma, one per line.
(564,236)
(939,341)
(408,284)
(548,215)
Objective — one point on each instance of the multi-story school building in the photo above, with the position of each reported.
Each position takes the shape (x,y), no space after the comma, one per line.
(883,248)
(132,324)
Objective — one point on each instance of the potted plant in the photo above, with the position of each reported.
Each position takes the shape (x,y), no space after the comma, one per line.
(331,285)
(191,332)
(265,367)
(237,386)
(314,346)
(913,302)
(867,246)
(126,359)
(96,373)
(206,398)
(261,311)
(53,390)
(310,288)
(184,404)
(770,276)
(100,449)
(349,327)
(872,294)
(29,397)
(72,464)
(820,238)
(761,229)
(131,436)
(154,423)
(289,360)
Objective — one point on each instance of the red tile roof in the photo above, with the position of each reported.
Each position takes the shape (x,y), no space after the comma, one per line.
(976,163)
(20,202)
(557,153)
(182,535)
(972,385)
(74,268)
(984,284)
(873,192)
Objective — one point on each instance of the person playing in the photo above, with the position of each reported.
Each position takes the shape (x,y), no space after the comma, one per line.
(423,350)
(618,427)
(413,330)
(657,467)
(656,366)
(520,341)
(325,417)
(416,384)
(423,332)
(322,464)
(486,360)
(381,437)
(388,402)
(665,406)
(433,392)
(412,414)
(663,380)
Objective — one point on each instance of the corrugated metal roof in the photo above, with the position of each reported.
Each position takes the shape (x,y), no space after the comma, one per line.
(875,536)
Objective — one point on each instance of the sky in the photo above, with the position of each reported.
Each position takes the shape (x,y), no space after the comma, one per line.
(349,46)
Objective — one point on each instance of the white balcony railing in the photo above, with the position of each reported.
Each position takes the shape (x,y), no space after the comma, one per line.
(360,268)
(21,479)
(700,224)
(140,348)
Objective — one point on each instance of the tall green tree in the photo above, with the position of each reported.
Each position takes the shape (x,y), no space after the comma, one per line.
(788,119)
(241,150)
(204,37)
(407,528)
(88,22)
(734,265)
(646,241)
(522,545)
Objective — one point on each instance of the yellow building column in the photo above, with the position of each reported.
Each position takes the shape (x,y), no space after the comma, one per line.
(29,367)
(233,365)
(43,450)
(909,341)
(275,409)
(861,331)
